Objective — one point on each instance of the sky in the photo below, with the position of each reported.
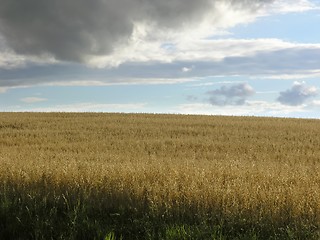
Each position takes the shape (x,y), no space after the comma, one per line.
(213,57)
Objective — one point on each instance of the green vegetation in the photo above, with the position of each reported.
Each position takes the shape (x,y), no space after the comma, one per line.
(142,176)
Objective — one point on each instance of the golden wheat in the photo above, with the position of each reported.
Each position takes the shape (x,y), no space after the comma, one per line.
(247,169)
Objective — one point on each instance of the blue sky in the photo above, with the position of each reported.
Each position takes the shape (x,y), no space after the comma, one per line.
(226,57)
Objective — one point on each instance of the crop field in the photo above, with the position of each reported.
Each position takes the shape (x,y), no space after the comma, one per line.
(144,176)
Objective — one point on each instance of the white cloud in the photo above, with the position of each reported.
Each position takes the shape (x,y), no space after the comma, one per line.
(232,56)
(9,60)
(192,43)
(206,84)
(89,107)
(251,108)
(289,6)
(298,94)
(119,82)
(290,76)
(195,49)
(187,69)
(315,103)
(266,57)
(33,99)
(195,44)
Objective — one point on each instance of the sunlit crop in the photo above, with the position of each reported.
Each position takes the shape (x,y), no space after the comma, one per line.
(142,176)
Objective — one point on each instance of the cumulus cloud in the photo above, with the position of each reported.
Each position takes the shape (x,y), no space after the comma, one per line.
(79,30)
(298,94)
(231,95)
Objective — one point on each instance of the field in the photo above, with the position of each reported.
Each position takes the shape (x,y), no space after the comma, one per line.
(144,176)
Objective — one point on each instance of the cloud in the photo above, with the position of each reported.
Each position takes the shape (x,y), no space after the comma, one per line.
(86,107)
(108,33)
(251,108)
(187,69)
(33,99)
(147,41)
(298,94)
(11,60)
(230,95)
(206,84)
(262,58)
(299,75)
(287,6)
(80,30)
(3,90)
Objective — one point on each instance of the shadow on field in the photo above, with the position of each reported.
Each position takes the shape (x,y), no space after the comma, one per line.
(45,210)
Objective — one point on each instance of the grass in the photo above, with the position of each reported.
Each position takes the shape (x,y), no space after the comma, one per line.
(142,176)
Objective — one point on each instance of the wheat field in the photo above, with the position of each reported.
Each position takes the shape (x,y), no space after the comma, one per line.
(145,176)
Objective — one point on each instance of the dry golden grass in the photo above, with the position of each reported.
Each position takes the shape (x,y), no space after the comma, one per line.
(236,171)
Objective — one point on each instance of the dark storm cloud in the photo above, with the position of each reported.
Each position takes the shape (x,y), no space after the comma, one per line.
(75,30)
(231,95)
(297,94)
